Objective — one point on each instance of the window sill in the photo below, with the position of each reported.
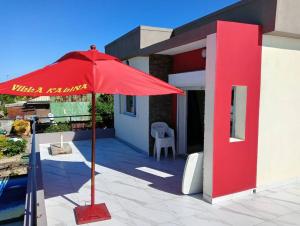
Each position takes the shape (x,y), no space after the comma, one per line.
(234,140)
(129,114)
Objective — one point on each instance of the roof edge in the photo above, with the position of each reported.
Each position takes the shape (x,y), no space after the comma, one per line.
(138,28)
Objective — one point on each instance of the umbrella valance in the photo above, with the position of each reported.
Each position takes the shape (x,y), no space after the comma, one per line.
(84,72)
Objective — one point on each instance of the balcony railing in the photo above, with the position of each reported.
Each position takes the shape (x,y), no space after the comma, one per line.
(35,214)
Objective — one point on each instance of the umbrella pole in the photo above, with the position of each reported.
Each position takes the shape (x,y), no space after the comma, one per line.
(93,212)
(93,149)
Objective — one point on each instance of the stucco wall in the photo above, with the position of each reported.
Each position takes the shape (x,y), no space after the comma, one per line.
(279,122)
(134,130)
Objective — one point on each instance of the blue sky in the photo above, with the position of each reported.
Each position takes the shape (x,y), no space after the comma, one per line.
(37,32)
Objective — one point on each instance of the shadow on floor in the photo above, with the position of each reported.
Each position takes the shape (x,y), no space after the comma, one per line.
(68,177)
(112,154)
(117,156)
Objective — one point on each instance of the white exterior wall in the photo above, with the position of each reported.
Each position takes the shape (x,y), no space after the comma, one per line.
(279,116)
(134,130)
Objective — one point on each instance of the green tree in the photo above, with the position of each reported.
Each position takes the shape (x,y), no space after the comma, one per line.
(9,99)
(6,99)
(104,109)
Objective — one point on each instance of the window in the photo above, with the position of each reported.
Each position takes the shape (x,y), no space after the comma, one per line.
(238,113)
(128,105)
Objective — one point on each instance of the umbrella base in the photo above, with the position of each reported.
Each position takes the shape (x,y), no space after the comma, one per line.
(91,213)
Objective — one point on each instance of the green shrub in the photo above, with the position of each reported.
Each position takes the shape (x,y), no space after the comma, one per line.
(60,127)
(15,147)
(10,147)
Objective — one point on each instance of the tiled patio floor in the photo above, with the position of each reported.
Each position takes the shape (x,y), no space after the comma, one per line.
(139,198)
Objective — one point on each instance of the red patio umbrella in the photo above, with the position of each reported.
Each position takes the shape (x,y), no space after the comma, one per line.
(83,72)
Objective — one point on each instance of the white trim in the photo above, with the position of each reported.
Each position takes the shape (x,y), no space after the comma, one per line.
(188,80)
(123,106)
(181,124)
(151,28)
(233,140)
(278,184)
(224,198)
(238,113)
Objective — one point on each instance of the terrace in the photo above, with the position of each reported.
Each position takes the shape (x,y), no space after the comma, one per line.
(140,191)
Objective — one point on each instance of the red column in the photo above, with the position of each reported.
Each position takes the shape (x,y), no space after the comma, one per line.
(238,62)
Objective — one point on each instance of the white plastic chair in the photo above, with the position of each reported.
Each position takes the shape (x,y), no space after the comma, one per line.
(164,138)
(51,117)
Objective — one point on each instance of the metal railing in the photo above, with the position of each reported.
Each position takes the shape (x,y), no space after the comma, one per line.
(76,122)
(66,116)
(30,203)
(35,214)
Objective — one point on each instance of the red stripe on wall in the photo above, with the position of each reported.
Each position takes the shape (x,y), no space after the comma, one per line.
(188,61)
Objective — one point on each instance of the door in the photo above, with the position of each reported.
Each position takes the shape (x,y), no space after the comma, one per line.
(195,121)
(190,122)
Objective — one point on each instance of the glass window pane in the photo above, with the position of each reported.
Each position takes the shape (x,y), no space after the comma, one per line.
(129,104)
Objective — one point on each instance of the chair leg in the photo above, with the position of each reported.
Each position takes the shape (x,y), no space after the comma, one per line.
(165,152)
(157,151)
(173,150)
(158,154)
(154,150)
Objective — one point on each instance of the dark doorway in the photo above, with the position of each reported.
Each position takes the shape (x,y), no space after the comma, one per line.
(195,121)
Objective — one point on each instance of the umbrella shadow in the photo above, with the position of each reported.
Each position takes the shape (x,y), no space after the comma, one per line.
(63,178)
(117,156)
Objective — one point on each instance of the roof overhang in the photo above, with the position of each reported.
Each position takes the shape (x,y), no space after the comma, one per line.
(185,48)
(276,17)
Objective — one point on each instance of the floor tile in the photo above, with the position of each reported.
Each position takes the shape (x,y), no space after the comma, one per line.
(148,197)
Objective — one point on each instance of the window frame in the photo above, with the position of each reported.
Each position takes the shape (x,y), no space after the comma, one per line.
(123,106)
(238,113)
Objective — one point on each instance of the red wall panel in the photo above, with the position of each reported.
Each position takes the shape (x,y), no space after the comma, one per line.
(188,61)
(238,62)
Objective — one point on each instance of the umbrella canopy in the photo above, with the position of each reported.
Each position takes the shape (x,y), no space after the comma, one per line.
(83,72)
